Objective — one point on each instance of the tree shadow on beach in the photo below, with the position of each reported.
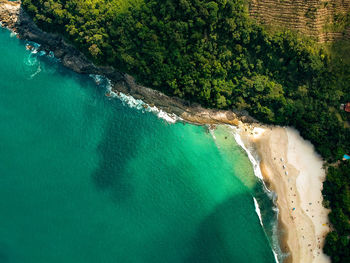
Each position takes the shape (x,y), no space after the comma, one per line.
(231,233)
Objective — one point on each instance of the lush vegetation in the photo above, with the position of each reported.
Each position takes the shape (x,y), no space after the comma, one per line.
(211,52)
(338,194)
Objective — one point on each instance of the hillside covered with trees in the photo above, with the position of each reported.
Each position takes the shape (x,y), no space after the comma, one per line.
(213,53)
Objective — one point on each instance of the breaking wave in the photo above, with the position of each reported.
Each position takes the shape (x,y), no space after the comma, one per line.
(257,210)
(132,102)
(254,159)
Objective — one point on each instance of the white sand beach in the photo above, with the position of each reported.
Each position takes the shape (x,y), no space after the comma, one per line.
(291,168)
(302,156)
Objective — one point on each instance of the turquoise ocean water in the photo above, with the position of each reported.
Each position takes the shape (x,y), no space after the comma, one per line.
(86,178)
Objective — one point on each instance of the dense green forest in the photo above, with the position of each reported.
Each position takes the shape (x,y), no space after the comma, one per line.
(212,53)
(337,191)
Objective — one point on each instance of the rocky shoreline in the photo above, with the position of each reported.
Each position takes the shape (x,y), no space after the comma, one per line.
(16,19)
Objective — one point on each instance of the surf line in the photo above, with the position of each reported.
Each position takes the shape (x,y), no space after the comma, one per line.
(169,118)
(272,195)
(130,101)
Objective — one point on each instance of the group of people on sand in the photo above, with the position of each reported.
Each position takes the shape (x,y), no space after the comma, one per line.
(293,194)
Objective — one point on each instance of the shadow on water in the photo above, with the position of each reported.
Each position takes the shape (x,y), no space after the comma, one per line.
(124,131)
(269,215)
(116,148)
(231,234)
(120,135)
(266,203)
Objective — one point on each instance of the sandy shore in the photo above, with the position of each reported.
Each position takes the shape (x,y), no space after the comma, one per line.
(289,164)
(292,169)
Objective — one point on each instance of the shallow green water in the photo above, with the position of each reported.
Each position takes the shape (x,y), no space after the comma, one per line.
(84,178)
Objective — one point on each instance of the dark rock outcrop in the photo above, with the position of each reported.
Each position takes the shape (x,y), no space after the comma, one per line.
(16,19)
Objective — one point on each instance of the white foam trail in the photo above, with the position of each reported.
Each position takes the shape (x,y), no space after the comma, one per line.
(275,255)
(256,167)
(134,103)
(99,79)
(212,134)
(256,163)
(36,72)
(257,210)
(13,34)
(35,48)
(275,241)
(168,117)
(129,100)
(32,59)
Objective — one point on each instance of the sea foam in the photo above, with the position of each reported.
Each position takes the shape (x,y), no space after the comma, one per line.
(99,79)
(132,102)
(257,210)
(36,72)
(170,118)
(272,195)
(255,162)
(140,105)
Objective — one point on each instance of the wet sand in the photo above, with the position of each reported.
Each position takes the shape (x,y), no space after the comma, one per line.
(291,168)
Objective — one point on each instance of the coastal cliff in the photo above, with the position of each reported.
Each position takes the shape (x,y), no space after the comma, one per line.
(324,20)
(16,19)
